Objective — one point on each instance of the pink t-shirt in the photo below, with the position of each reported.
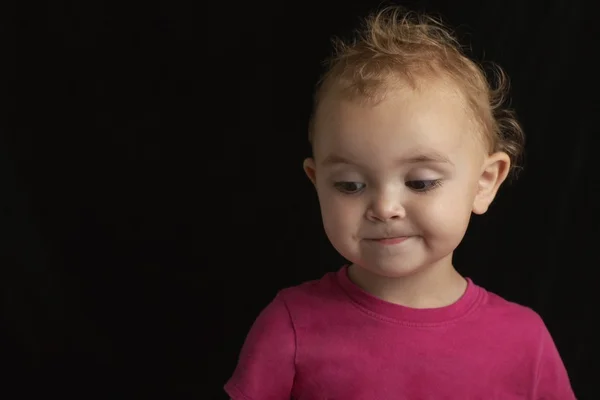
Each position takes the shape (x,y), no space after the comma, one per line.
(329,339)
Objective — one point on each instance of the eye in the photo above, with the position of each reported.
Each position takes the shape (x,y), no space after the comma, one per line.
(349,187)
(423,185)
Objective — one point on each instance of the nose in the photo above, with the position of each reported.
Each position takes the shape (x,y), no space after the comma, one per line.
(386,206)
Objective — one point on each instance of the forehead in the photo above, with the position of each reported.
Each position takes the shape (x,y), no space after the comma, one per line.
(431,118)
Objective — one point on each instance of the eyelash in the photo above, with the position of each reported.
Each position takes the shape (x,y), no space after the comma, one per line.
(340,186)
(433,184)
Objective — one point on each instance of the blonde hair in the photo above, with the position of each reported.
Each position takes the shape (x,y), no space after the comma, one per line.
(398,44)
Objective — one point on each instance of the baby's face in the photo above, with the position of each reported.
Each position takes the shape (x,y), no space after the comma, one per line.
(397,182)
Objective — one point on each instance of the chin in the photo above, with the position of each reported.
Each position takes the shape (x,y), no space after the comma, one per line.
(390,269)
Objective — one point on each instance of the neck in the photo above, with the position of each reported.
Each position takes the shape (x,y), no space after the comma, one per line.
(434,286)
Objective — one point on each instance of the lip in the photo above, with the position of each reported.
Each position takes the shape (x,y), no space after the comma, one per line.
(389,240)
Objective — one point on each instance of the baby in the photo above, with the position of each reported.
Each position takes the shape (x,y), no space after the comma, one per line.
(409,140)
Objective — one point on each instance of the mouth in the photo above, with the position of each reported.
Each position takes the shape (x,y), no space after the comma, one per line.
(388,240)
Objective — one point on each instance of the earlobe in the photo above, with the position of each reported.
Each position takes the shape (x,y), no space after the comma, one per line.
(494,173)
(310,169)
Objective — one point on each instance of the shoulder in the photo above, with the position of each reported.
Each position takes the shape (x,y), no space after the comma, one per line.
(528,341)
(512,322)
(275,323)
(308,294)
(266,364)
(511,312)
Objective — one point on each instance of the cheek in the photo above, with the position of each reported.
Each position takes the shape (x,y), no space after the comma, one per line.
(339,214)
(445,216)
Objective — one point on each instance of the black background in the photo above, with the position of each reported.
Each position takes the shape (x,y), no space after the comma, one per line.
(154,200)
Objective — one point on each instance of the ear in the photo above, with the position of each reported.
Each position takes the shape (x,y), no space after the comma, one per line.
(494,172)
(310,169)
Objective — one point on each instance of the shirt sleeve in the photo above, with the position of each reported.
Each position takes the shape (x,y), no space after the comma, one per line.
(552,381)
(265,369)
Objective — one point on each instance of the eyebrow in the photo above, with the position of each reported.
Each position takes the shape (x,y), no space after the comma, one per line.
(429,157)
